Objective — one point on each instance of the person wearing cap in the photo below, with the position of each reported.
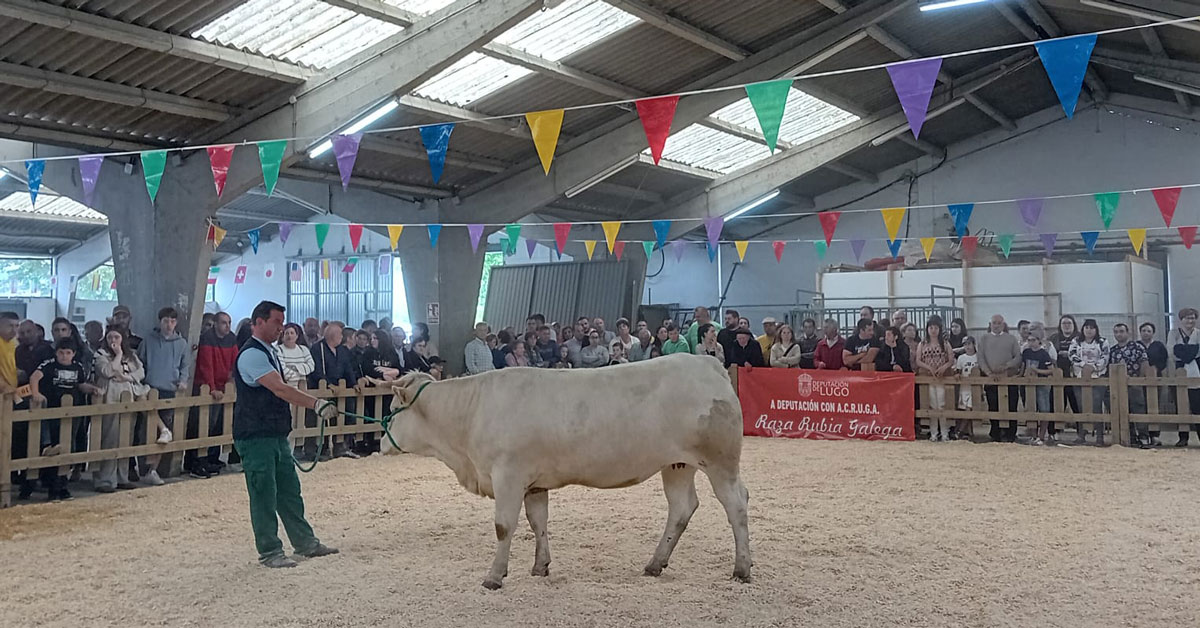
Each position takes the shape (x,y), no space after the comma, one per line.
(262,420)
(744,350)
(767,338)
(122,318)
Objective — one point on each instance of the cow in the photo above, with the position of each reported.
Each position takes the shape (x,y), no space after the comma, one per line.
(515,434)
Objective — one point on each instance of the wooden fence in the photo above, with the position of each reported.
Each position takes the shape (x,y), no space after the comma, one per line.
(128,409)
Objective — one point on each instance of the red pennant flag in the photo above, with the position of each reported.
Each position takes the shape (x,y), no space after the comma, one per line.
(219,158)
(618,249)
(355,236)
(656,115)
(778,246)
(829,222)
(969,244)
(1167,199)
(561,231)
(1188,235)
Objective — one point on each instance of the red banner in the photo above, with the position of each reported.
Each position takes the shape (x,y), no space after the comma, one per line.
(826,405)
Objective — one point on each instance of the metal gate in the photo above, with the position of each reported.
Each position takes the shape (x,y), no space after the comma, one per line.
(350,297)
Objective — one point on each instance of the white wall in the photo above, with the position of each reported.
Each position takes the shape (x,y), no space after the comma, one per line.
(1049,155)
(74,264)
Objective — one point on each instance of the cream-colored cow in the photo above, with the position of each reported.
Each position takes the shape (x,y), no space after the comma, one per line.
(517,433)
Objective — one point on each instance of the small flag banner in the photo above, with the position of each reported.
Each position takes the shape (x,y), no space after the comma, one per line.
(294,272)
(213,272)
(239,276)
(269,271)
(350,264)
(326,272)
(385,265)
(34,169)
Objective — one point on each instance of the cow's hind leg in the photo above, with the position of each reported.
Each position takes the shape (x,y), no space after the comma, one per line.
(735,498)
(509,494)
(537,511)
(679,483)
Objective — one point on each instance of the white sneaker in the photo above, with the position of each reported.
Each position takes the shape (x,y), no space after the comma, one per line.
(151,478)
(164,437)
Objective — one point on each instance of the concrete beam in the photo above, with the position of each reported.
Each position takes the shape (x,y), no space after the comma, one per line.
(378,144)
(33,132)
(1160,10)
(851,171)
(104,91)
(681,29)
(84,23)
(524,191)
(1155,46)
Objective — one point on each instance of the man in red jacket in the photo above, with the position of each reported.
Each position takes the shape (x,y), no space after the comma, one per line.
(215,357)
(828,355)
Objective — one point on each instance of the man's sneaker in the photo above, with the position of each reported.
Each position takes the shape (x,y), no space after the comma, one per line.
(213,469)
(60,494)
(26,490)
(164,437)
(152,478)
(278,562)
(318,551)
(126,486)
(198,471)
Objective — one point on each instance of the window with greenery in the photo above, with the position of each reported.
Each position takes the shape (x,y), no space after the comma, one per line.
(97,285)
(490,259)
(26,277)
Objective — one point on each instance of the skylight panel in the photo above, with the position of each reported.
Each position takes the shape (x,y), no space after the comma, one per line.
(702,147)
(470,78)
(566,29)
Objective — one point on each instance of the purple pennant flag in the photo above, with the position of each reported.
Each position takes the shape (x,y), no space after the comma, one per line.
(89,171)
(1048,242)
(475,231)
(530,246)
(285,230)
(713,227)
(913,82)
(345,148)
(857,247)
(1031,210)
(677,249)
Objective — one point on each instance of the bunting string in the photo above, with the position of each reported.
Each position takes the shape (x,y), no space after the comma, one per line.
(1042,45)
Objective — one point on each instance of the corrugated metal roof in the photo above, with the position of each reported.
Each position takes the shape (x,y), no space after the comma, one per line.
(305,31)
(753,23)
(553,35)
(51,206)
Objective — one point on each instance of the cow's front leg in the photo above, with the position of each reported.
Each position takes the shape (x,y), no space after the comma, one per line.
(509,494)
(537,511)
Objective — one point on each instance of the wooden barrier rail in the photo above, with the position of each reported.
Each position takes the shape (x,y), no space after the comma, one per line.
(128,409)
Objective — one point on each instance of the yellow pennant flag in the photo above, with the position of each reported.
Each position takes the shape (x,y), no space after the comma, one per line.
(325,271)
(892,217)
(544,127)
(218,235)
(590,245)
(741,248)
(927,246)
(611,228)
(394,232)
(1138,238)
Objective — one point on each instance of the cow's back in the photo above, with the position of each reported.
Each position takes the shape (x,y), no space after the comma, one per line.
(606,427)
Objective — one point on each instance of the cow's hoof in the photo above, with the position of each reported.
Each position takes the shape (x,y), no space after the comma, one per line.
(492,585)
(741,576)
(540,570)
(653,570)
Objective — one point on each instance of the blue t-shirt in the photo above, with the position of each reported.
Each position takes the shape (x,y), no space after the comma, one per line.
(1039,359)
(252,365)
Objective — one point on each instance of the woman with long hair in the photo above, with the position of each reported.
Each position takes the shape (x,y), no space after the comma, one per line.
(934,357)
(958,332)
(1089,360)
(1061,340)
(295,359)
(785,353)
(118,371)
(707,343)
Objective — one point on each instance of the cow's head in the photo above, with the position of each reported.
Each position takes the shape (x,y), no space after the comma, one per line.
(405,390)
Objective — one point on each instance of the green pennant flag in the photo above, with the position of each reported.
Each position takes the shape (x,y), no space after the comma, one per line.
(322,229)
(153,164)
(648,247)
(270,155)
(821,248)
(768,100)
(514,232)
(1005,241)
(1107,204)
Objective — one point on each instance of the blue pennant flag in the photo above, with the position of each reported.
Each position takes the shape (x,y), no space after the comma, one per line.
(961,213)
(1089,240)
(712,251)
(34,169)
(1066,62)
(661,229)
(436,138)
(253,235)
(894,247)
(434,232)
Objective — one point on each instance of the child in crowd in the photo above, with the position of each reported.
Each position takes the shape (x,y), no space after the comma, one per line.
(1037,362)
(616,353)
(55,379)
(965,366)
(564,357)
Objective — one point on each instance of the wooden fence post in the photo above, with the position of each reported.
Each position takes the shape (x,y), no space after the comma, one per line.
(6,411)
(1118,404)
(733,378)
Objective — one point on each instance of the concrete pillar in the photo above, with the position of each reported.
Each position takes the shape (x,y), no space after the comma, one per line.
(449,276)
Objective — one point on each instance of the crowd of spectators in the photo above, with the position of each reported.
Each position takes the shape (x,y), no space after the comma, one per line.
(108,362)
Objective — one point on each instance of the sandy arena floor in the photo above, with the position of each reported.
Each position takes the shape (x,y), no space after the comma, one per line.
(844,534)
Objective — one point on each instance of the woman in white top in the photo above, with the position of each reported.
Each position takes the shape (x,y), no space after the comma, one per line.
(785,353)
(295,359)
(707,333)
(594,354)
(118,371)
(1089,360)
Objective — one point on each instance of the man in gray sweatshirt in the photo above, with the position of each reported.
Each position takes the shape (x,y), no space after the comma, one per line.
(1000,356)
(164,355)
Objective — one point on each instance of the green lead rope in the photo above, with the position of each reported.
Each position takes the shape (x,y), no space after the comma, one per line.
(385,422)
